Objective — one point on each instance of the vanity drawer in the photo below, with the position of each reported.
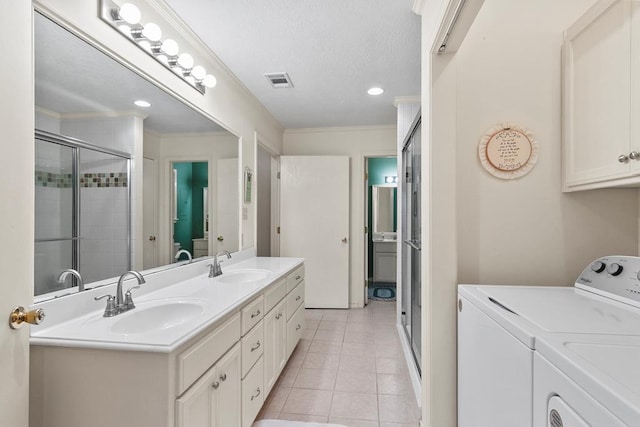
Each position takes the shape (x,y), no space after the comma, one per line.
(252,347)
(295,299)
(194,361)
(252,394)
(295,327)
(275,293)
(294,278)
(252,313)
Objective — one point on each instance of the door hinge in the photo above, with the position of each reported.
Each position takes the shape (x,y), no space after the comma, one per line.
(278,175)
(366,176)
(278,230)
(366,229)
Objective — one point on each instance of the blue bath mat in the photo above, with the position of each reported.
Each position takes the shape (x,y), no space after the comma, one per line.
(382,293)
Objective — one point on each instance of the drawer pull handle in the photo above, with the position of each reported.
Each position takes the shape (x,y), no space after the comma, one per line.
(256,347)
(257,313)
(215,385)
(298,277)
(298,327)
(278,316)
(257,394)
(223,377)
(298,298)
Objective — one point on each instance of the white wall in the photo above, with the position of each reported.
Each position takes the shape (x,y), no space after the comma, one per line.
(356,143)
(481,229)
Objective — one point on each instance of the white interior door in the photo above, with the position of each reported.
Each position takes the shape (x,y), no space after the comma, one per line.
(228,220)
(17,214)
(149,213)
(315,225)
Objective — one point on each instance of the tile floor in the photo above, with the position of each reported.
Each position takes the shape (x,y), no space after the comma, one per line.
(347,369)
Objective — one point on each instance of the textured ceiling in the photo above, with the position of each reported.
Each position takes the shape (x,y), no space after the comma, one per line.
(72,77)
(333,50)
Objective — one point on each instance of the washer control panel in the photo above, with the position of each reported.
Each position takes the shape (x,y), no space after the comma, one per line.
(616,277)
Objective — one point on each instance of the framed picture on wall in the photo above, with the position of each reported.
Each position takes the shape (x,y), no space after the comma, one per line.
(248,178)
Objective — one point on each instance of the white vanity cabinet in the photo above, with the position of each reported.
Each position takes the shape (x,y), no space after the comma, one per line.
(218,377)
(214,400)
(384,261)
(601,98)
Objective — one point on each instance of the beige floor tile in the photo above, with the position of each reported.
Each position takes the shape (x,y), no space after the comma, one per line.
(340,315)
(308,334)
(317,379)
(332,325)
(359,327)
(325,335)
(361,382)
(311,324)
(276,399)
(398,409)
(288,376)
(394,384)
(359,336)
(297,357)
(304,418)
(321,361)
(313,314)
(352,423)
(360,406)
(327,347)
(387,337)
(389,350)
(385,424)
(357,363)
(308,402)
(384,319)
(387,365)
(358,348)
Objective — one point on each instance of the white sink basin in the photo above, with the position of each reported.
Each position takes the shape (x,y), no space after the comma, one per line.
(244,276)
(153,316)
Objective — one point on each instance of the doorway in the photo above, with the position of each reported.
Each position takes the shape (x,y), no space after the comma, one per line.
(268,202)
(190,208)
(381,231)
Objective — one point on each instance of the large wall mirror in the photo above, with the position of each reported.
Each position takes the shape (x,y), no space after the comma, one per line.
(384,208)
(106,168)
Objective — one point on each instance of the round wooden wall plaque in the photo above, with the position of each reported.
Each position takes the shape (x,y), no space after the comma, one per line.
(508,151)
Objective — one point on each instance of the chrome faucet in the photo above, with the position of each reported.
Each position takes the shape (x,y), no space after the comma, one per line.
(63,276)
(184,251)
(119,303)
(214,269)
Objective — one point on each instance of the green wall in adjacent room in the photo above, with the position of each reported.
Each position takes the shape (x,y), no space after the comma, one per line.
(192,178)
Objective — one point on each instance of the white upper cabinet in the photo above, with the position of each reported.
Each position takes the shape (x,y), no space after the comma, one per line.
(600,98)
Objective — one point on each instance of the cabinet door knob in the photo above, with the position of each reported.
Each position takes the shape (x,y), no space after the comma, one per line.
(215,385)
(634,155)
(223,377)
(256,394)
(622,158)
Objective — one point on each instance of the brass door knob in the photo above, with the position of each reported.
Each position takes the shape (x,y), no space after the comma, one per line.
(19,317)
(152,238)
(220,238)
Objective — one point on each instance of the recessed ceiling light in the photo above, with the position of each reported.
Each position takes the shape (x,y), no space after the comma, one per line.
(375,91)
(141,103)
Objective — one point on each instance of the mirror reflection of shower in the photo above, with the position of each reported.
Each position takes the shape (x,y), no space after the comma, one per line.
(190,208)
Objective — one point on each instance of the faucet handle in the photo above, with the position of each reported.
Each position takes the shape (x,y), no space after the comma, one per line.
(128,299)
(111,309)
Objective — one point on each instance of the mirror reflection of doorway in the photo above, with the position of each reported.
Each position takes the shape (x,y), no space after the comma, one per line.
(190,223)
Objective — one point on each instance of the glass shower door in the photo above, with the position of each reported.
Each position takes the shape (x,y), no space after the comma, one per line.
(411,303)
(56,234)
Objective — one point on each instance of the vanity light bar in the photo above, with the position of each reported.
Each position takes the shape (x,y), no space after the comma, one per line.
(390,179)
(127,20)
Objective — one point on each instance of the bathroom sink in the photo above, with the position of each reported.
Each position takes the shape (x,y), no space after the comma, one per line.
(244,276)
(153,316)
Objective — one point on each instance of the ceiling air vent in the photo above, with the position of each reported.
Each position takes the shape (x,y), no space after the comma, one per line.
(279,80)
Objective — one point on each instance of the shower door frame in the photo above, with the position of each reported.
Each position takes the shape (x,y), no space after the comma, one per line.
(77,144)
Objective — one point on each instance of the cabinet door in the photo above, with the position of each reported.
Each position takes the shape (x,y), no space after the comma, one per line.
(228,400)
(196,407)
(275,344)
(597,100)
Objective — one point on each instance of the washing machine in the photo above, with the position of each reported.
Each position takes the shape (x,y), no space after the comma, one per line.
(552,356)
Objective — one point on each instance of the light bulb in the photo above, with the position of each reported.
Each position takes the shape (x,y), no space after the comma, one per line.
(145,45)
(152,32)
(170,47)
(163,58)
(209,81)
(199,72)
(124,28)
(129,13)
(190,79)
(185,61)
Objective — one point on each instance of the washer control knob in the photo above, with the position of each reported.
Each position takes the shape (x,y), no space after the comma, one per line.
(598,266)
(614,269)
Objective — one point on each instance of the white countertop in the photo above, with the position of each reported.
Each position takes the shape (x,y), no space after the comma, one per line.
(215,300)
